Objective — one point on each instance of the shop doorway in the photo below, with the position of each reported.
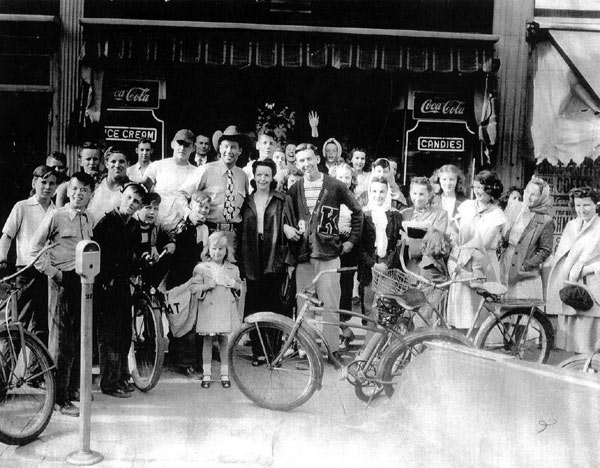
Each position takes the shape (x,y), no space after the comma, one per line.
(23,144)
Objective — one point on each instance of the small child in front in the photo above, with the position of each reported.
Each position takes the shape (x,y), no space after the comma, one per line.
(215,292)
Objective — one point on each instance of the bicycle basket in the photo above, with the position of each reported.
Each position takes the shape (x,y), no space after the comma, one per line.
(392,281)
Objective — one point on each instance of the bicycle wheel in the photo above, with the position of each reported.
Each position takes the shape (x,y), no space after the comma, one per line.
(401,352)
(147,351)
(582,363)
(509,334)
(27,388)
(284,386)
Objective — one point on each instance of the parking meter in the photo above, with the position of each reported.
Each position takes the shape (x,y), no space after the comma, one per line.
(87,260)
(87,266)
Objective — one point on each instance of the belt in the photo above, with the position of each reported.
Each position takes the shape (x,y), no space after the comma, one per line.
(221,226)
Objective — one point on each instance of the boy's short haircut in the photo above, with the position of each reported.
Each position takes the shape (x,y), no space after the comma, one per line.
(144,140)
(44,172)
(90,145)
(268,132)
(201,197)
(152,198)
(138,189)
(59,156)
(114,149)
(383,162)
(85,179)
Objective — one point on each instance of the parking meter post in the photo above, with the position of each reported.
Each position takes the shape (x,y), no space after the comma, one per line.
(87,265)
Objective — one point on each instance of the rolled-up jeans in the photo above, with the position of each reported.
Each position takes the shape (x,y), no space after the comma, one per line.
(328,291)
(65,332)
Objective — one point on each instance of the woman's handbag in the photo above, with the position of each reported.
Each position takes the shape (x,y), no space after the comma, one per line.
(577,295)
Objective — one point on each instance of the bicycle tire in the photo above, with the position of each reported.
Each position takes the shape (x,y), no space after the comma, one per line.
(579,363)
(147,351)
(401,352)
(283,387)
(27,388)
(505,335)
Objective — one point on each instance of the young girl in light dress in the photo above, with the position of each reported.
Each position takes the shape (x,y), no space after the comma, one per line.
(215,291)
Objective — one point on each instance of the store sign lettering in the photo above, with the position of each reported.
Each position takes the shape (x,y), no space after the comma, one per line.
(114,133)
(132,95)
(428,106)
(440,144)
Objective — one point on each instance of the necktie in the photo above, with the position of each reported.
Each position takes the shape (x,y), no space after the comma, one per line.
(229,205)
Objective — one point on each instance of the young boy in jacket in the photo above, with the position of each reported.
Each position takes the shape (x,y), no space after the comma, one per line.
(316,200)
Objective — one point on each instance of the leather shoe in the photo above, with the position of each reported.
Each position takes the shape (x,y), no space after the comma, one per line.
(117,393)
(67,408)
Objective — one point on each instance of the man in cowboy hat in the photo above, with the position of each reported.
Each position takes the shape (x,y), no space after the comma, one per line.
(174,178)
(226,183)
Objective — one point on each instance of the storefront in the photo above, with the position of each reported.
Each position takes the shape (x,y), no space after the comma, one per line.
(565,122)
(28,45)
(362,82)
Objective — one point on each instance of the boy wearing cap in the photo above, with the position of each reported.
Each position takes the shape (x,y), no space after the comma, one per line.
(226,184)
(174,178)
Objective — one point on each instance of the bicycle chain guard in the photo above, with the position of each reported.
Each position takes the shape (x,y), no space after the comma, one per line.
(357,376)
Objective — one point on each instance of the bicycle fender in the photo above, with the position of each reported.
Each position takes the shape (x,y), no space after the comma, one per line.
(306,328)
(15,328)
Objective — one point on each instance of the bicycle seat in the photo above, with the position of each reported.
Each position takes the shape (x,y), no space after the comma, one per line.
(410,299)
(489,289)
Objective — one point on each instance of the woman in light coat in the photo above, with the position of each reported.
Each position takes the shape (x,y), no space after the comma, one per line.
(527,240)
(578,260)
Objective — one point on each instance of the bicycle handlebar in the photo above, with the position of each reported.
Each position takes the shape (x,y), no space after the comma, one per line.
(29,265)
(428,282)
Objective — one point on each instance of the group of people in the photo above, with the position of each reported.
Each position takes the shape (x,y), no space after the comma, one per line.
(220,239)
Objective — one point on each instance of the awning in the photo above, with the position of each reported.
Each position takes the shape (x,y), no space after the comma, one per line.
(242,45)
(581,50)
(566,104)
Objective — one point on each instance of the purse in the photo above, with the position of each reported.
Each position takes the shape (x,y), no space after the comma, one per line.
(577,295)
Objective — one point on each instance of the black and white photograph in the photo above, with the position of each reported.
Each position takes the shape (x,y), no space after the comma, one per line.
(299,233)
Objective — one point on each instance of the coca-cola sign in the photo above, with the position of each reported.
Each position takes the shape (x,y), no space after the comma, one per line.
(128,94)
(429,106)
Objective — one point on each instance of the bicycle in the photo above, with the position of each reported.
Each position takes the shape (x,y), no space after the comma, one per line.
(587,363)
(147,351)
(294,365)
(27,382)
(516,327)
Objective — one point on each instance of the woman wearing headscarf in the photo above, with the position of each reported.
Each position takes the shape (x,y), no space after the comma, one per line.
(527,241)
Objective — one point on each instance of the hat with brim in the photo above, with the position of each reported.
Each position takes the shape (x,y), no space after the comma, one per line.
(185,135)
(231,133)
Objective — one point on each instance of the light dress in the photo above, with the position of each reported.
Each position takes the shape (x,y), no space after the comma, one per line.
(475,252)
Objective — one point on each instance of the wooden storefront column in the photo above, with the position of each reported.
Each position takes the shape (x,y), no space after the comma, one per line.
(510,20)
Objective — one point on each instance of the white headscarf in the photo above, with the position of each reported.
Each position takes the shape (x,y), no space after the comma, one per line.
(380,220)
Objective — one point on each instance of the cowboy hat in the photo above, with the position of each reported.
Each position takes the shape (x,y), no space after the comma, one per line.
(231,133)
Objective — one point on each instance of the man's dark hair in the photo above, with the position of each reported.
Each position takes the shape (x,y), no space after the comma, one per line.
(144,140)
(59,156)
(85,179)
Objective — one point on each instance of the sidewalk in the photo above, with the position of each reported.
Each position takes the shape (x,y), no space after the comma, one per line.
(178,424)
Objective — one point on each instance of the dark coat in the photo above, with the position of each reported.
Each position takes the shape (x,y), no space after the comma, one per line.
(369,254)
(276,251)
(119,242)
(322,238)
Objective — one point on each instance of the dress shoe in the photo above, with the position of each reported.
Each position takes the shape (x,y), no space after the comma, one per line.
(67,408)
(117,393)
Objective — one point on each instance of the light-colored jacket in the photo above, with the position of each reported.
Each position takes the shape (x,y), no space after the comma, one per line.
(576,250)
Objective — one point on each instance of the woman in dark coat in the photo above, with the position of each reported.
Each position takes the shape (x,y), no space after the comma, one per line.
(263,246)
